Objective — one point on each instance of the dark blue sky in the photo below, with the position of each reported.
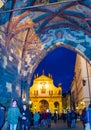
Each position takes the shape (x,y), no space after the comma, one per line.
(60,63)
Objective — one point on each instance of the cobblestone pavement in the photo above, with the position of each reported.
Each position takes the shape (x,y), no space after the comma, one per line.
(62,126)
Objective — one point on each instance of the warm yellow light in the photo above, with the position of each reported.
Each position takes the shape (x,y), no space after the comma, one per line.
(1,3)
(58,43)
(24,99)
(82,103)
(30,102)
(46,85)
(35,107)
(77,108)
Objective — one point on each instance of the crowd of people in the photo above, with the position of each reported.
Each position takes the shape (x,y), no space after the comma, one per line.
(85,117)
(22,119)
(70,118)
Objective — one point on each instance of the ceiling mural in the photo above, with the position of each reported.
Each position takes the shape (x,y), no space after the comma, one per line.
(28,30)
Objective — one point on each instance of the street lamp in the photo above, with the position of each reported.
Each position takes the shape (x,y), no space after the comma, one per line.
(23,91)
(24,97)
(30,102)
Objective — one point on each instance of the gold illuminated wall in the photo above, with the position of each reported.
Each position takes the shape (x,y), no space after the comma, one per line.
(44,95)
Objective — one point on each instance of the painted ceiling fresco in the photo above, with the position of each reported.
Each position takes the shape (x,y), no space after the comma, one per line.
(28,31)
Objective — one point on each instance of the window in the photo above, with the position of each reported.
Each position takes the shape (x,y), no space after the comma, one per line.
(59,92)
(43,90)
(50,92)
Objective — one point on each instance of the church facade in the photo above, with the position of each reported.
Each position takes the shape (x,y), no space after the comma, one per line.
(45,95)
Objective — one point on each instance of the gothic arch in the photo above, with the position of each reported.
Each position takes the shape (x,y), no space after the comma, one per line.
(58,44)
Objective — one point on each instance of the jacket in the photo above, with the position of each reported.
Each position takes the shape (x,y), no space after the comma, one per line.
(13,114)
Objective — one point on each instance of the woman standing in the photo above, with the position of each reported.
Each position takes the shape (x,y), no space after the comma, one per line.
(13,115)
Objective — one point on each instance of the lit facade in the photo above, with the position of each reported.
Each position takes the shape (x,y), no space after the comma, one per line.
(44,95)
(66,101)
(81,85)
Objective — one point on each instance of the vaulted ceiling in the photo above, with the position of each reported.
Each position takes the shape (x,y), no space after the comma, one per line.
(29,30)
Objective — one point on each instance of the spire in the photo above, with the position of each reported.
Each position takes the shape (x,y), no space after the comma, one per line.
(42,72)
(59,85)
(37,75)
(49,75)
(34,76)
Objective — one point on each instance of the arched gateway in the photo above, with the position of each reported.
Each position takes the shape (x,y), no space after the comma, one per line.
(29,33)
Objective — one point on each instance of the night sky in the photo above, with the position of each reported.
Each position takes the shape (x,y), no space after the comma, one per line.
(60,63)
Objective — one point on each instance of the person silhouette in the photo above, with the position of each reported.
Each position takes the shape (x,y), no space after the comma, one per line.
(13,115)
(2,116)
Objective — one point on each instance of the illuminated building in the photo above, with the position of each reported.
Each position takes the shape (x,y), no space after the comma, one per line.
(66,101)
(44,95)
(81,85)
